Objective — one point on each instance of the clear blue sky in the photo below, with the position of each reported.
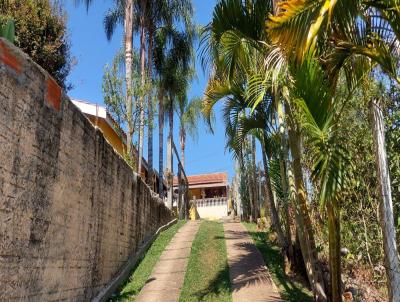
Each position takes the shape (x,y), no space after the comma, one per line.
(93,52)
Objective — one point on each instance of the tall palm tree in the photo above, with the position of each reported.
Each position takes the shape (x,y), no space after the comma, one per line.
(238,125)
(173,62)
(330,161)
(189,114)
(361,35)
(233,39)
(122,12)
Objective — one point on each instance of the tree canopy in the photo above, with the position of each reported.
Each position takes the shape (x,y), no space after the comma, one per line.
(41,32)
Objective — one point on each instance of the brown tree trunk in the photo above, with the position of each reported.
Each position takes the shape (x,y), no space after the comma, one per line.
(256,204)
(182,140)
(305,231)
(170,154)
(333,213)
(160,143)
(276,224)
(143,82)
(283,163)
(128,30)
(150,108)
(386,205)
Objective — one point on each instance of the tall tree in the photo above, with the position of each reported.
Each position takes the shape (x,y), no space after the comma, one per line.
(41,32)
(234,38)
(189,113)
(364,34)
(128,44)
(122,12)
(115,99)
(142,21)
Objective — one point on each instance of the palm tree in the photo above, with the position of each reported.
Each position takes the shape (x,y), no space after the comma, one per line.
(123,12)
(330,161)
(173,63)
(160,14)
(238,124)
(236,44)
(189,113)
(361,34)
(142,8)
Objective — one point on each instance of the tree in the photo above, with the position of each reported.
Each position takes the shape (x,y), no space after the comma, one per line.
(122,12)
(320,120)
(237,46)
(189,113)
(142,27)
(173,54)
(41,32)
(114,84)
(364,34)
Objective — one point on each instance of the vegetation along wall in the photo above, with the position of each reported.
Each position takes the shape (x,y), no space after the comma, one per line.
(71,210)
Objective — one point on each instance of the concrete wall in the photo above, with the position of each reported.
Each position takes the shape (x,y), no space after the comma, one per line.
(71,210)
(212,208)
(213,212)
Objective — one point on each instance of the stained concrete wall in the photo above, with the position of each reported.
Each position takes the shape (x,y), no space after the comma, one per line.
(71,210)
(213,212)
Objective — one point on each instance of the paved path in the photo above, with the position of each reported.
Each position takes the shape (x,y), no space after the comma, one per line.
(166,280)
(249,276)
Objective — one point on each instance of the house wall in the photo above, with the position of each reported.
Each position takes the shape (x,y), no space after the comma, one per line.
(110,135)
(212,212)
(71,209)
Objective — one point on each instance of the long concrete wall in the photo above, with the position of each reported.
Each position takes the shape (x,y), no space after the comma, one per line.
(71,210)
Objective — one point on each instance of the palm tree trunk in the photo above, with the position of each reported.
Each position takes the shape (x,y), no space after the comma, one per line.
(128,28)
(182,140)
(160,143)
(170,155)
(276,225)
(305,231)
(256,209)
(283,163)
(386,206)
(150,108)
(333,213)
(143,83)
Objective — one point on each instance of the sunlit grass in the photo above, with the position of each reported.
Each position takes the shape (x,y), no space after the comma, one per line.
(207,275)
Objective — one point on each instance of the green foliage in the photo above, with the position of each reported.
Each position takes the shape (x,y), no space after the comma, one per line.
(190,114)
(41,32)
(393,148)
(114,83)
(7,30)
(207,275)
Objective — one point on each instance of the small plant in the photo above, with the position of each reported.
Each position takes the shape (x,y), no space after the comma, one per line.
(7,30)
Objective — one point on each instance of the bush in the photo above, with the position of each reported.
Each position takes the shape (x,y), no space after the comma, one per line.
(40,31)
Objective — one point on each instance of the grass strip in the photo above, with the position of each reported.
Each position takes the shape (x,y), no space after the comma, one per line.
(290,289)
(207,275)
(143,270)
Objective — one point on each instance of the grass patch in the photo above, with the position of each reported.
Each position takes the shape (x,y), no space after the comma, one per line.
(143,270)
(290,290)
(207,275)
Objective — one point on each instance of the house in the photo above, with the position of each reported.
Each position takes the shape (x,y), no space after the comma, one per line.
(209,193)
(112,132)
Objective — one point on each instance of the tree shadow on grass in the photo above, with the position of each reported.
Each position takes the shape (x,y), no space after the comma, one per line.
(291,292)
(218,285)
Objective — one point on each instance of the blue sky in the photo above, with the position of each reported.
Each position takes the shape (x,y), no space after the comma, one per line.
(92,51)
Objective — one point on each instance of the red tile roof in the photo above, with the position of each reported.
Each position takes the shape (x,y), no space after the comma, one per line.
(211,178)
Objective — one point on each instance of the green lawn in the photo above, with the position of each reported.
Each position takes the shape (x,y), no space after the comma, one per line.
(207,275)
(142,272)
(290,290)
